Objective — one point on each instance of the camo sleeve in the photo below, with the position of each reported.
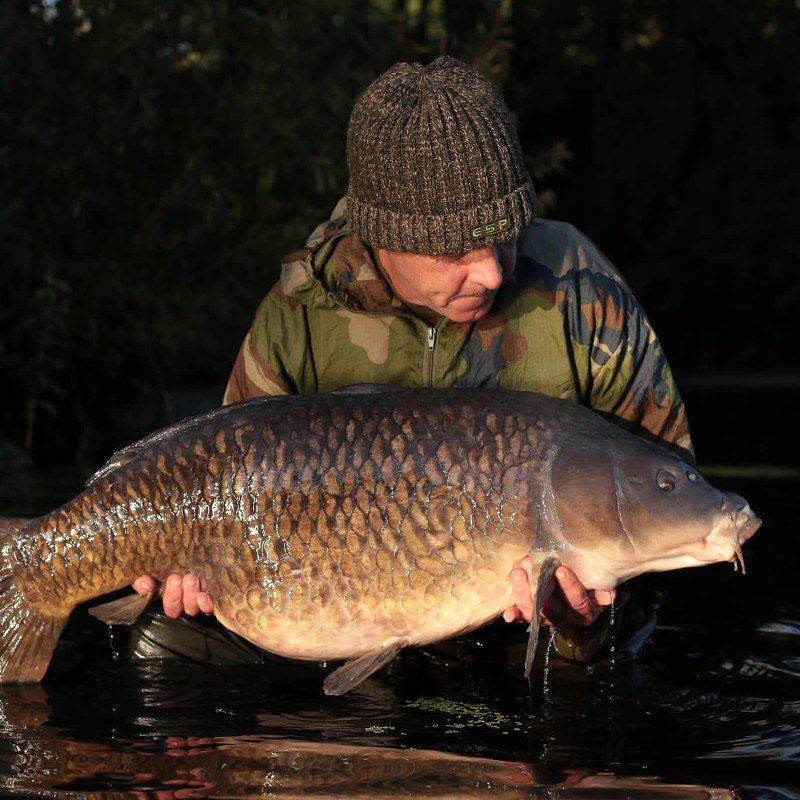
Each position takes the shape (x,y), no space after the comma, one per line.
(630,377)
(259,370)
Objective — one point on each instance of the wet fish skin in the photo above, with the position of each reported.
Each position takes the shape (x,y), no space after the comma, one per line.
(320,526)
(339,525)
(622,506)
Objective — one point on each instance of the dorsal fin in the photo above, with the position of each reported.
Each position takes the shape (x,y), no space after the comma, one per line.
(123,456)
(126,454)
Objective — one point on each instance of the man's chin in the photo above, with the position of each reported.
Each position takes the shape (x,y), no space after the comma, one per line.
(468,314)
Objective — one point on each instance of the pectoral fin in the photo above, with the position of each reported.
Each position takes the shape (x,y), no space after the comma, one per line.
(543,568)
(359,669)
(124,611)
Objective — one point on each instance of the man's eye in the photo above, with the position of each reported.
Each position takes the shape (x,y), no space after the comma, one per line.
(666,480)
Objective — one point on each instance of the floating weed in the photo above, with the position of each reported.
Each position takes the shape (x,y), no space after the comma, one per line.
(465,715)
(379,728)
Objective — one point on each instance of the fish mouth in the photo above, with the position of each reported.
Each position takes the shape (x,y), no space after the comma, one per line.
(737,523)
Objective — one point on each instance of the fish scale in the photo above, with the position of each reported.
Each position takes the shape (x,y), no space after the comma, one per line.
(401,469)
(340,526)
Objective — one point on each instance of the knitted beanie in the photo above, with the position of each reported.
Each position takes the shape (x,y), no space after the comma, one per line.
(435,162)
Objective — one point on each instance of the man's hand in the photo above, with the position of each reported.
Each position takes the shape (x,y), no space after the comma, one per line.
(182,594)
(568,605)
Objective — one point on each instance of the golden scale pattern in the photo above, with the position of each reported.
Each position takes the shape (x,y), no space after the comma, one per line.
(364,508)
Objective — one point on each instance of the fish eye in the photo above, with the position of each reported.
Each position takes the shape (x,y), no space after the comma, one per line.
(666,480)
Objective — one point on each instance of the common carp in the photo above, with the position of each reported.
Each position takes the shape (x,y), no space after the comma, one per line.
(353,524)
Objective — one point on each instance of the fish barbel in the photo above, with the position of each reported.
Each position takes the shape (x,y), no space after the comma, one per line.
(353,524)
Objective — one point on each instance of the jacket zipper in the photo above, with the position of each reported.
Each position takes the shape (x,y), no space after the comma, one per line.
(432,335)
(431,332)
(431,348)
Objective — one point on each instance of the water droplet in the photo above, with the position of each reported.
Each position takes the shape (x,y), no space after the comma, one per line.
(114,652)
(613,635)
(550,643)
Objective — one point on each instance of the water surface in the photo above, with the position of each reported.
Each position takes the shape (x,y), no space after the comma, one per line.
(711,705)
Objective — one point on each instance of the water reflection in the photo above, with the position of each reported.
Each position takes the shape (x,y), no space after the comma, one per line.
(41,759)
(712,701)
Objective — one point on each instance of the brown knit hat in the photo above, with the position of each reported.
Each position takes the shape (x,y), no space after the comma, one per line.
(435,162)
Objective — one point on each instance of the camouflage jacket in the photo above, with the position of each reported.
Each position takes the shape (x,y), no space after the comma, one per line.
(564,324)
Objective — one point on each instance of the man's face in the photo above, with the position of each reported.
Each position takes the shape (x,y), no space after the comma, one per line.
(460,287)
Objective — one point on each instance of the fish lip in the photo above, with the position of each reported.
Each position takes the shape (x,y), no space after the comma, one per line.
(732,530)
(752,525)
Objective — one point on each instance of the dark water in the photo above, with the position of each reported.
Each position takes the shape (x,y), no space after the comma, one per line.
(711,705)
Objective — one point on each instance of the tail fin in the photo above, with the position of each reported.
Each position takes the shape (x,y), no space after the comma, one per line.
(27,636)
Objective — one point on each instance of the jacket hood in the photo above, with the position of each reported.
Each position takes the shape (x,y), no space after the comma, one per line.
(336,269)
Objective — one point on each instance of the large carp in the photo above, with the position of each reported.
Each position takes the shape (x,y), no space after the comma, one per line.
(353,524)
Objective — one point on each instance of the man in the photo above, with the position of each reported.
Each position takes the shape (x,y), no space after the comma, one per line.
(434,271)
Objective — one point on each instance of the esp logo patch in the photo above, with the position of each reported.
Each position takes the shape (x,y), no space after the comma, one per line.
(490,227)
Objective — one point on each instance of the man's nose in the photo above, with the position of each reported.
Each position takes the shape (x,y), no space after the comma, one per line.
(488,271)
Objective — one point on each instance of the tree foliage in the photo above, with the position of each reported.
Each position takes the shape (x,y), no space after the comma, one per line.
(159,158)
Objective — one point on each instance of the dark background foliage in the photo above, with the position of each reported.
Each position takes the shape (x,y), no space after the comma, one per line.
(158,158)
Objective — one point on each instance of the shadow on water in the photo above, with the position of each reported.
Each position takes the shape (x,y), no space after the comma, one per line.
(711,705)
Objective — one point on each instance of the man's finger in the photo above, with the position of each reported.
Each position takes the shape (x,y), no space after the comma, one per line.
(520,581)
(173,596)
(199,741)
(603,597)
(172,742)
(191,586)
(145,584)
(205,602)
(556,613)
(574,593)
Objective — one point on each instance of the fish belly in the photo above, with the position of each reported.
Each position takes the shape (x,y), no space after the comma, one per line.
(345,626)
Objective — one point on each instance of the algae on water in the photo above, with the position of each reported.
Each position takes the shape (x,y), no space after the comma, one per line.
(465,715)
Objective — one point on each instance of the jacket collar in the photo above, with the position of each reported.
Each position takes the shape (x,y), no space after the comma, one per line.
(336,268)
(352,271)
